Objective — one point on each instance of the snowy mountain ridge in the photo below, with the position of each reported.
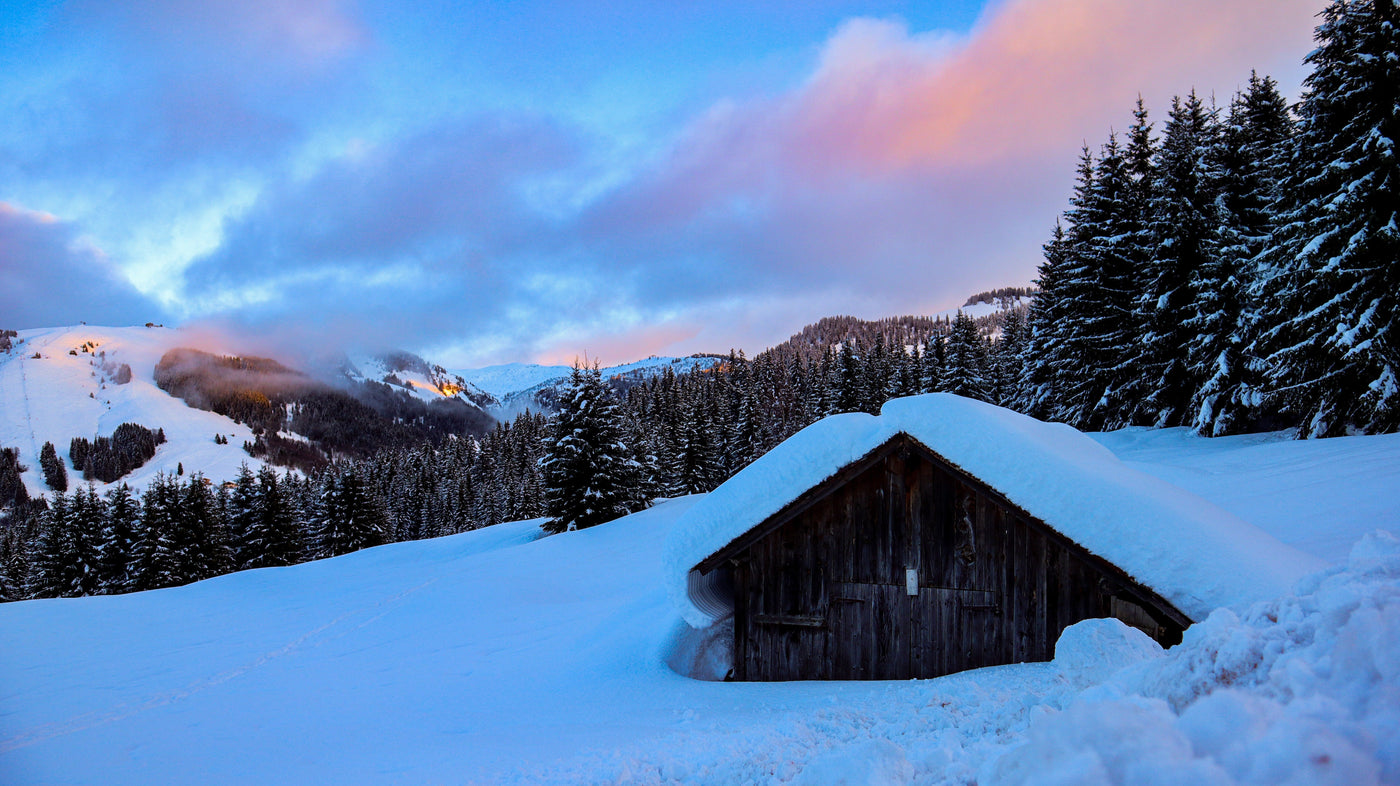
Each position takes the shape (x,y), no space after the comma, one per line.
(424,381)
(518,386)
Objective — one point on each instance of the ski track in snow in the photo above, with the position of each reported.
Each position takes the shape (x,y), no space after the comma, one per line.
(19,359)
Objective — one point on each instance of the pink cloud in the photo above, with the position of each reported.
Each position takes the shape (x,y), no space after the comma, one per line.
(1030,79)
(611,348)
(909,169)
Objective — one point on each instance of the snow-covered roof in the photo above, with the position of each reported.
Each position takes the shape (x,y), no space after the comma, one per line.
(1194,554)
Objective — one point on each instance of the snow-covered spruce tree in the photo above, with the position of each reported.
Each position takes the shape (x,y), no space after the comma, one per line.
(88,514)
(851,384)
(908,375)
(199,537)
(154,557)
(589,474)
(14,564)
(1243,164)
(274,537)
(650,478)
(55,473)
(697,467)
(64,561)
(1008,356)
(1045,355)
(1097,289)
(824,384)
(965,372)
(119,541)
(1136,245)
(350,518)
(1071,369)
(879,374)
(1182,228)
(240,516)
(49,550)
(1333,360)
(935,357)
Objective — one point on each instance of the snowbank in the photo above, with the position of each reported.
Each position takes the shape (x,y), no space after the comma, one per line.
(1195,554)
(1302,689)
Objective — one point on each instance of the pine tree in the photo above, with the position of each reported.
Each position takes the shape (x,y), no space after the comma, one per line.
(649,478)
(1183,225)
(274,537)
(1009,355)
(966,370)
(55,473)
(50,551)
(14,563)
(935,357)
(241,517)
(198,536)
(350,518)
(697,466)
(589,473)
(1244,170)
(1047,359)
(1097,288)
(851,393)
(908,374)
(119,541)
(154,554)
(1333,361)
(879,375)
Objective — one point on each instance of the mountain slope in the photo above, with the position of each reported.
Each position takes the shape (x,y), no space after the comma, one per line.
(71,390)
(423,380)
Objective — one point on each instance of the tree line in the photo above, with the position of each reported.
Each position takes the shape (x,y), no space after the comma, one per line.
(182,530)
(1239,273)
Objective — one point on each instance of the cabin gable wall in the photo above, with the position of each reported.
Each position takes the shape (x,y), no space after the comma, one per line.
(827,595)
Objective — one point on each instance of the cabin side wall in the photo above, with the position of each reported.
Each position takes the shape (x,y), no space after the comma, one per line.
(827,595)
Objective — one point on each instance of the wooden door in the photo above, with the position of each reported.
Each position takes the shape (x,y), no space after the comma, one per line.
(870,628)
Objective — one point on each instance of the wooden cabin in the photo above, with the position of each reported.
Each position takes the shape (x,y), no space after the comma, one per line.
(947,534)
(901,565)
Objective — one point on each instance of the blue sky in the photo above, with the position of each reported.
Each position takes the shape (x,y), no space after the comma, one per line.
(488,182)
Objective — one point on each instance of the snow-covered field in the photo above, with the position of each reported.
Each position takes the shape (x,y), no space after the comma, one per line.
(1314,494)
(497,656)
(58,396)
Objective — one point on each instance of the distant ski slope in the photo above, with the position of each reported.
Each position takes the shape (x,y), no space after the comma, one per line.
(58,396)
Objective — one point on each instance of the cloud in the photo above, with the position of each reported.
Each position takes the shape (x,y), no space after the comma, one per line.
(148,90)
(905,171)
(49,276)
(909,168)
(429,234)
